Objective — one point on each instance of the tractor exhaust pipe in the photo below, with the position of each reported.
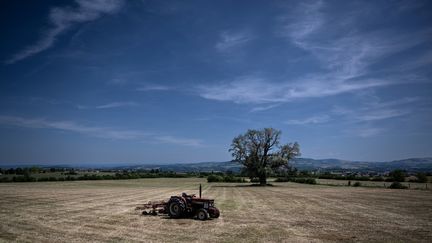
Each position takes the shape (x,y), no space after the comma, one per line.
(200,191)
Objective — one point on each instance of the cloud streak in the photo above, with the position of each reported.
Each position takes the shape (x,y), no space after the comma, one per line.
(366,132)
(310,120)
(155,87)
(376,110)
(180,141)
(94,131)
(347,60)
(62,19)
(258,90)
(110,105)
(229,40)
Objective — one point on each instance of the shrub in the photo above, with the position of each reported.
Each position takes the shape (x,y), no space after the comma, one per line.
(230,178)
(311,181)
(356,184)
(397,185)
(227,178)
(214,178)
(397,175)
(4,179)
(378,178)
(421,177)
(282,179)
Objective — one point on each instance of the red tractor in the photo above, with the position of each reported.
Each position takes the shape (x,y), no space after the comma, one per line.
(190,206)
(183,206)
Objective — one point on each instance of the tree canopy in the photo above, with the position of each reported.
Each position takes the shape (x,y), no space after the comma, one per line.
(261,153)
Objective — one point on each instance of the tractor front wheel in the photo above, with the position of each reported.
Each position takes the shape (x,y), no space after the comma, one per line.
(202,214)
(214,213)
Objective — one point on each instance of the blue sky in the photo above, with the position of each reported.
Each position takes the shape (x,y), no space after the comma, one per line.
(112,81)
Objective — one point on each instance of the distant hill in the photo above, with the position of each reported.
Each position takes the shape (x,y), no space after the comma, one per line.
(412,165)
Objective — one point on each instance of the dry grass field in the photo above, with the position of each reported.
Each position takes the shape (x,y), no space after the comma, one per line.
(287,212)
(382,184)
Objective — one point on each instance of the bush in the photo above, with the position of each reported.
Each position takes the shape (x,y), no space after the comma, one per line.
(397,175)
(421,177)
(311,181)
(227,178)
(356,184)
(23,179)
(397,185)
(282,179)
(230,178)
(214,178)
(4,179)
(378,178)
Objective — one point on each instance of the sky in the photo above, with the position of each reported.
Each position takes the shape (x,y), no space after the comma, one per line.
(113,81)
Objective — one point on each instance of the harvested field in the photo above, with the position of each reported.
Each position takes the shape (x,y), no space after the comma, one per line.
(383,184)
(104,211)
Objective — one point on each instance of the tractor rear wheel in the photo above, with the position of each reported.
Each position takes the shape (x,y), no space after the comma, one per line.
(176,208)
(202,214)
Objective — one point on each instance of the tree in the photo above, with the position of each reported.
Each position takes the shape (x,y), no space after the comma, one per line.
(421,177)
(260,153)
(397,175)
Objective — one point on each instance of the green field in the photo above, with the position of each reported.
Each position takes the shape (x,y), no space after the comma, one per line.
(105,211)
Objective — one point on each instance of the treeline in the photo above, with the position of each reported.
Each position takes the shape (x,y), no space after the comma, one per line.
(23,171)
(395,175)
(116,176)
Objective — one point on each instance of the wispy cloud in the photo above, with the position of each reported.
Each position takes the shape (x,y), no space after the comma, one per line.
(310,120)
(258,90)
(110,105)
(366,132)
(342,49)
(377,110)
(95,131)
(117,104)
(307,20)
(264,108)
(154,87)
(347,60)
(229,40)
(225,118)
(382,114)
(180,141)
(72,127)
(63,18)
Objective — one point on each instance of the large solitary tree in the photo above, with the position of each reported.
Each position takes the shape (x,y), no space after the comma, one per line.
(260,152)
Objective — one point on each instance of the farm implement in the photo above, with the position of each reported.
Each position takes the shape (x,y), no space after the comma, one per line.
(184,206)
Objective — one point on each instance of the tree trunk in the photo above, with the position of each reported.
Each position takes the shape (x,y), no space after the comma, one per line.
(263,180)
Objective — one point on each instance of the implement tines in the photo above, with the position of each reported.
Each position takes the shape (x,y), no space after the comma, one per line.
(152,207)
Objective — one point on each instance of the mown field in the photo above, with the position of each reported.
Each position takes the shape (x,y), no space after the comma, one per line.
(382,184)
(105,211)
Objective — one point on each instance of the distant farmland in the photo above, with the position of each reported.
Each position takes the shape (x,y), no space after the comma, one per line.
(104,211)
